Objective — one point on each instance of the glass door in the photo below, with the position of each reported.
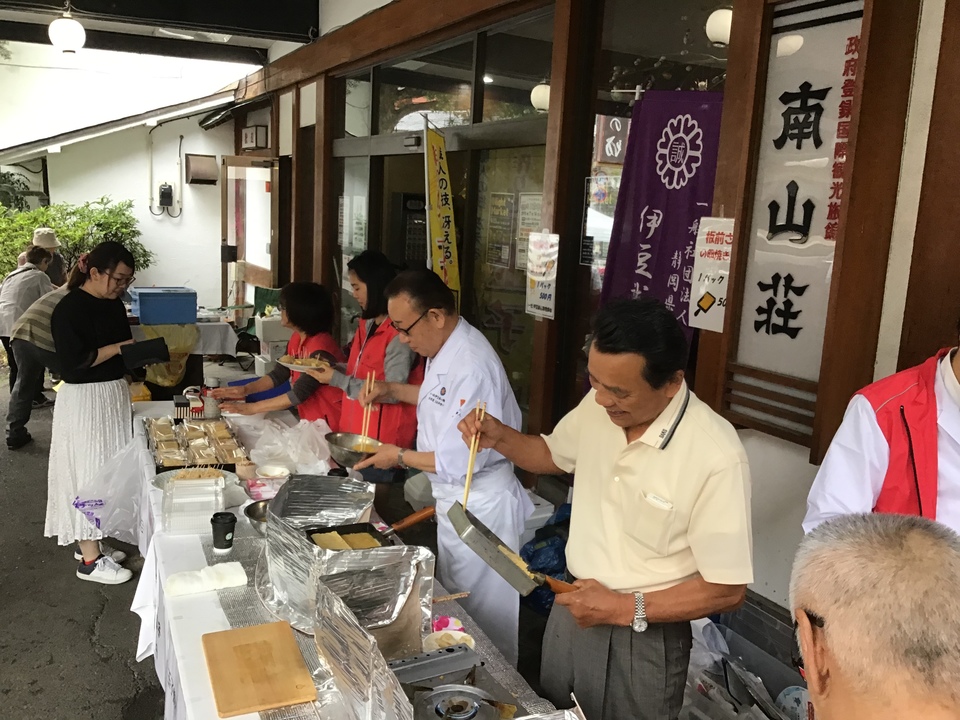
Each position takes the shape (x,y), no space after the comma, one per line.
(249,216)
(508,204)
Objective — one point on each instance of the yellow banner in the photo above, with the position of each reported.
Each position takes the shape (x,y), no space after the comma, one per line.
(441,231)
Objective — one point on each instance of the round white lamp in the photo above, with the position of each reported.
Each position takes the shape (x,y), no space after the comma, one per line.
(66,34)
(540,97)
(718,26)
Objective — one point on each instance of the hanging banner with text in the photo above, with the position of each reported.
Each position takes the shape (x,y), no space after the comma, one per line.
(542,257)
(441,230)
(711,274)
(667,186)
(807,122)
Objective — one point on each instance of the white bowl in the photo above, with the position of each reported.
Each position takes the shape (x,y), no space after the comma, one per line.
(274,472)
(433,641)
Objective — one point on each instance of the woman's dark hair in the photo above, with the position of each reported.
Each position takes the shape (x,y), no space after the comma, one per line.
(646,328)
(375,271)
(105,257)
(36,254)
(425,289)
(309,307)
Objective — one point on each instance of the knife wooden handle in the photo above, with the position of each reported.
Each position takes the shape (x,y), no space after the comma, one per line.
(559,586)
(411,520)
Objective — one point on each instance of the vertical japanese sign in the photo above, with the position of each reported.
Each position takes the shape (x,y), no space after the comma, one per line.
(542,274)
(711,274)
(528,221)
(611,145)
(441,231)
(501,225)
(808,113)
(666,187)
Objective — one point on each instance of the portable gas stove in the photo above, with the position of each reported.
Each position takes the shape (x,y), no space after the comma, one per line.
(453,684)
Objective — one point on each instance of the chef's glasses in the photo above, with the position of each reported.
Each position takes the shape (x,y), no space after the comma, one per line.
(816,621)
(406,330)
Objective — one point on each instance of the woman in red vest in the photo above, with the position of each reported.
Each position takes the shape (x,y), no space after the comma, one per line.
(376,348)
(306,308)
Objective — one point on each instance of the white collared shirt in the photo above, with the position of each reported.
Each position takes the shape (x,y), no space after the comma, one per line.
(465,371)
(851,476)
(654,512)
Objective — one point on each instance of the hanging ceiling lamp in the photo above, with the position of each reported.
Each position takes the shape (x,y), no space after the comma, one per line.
(718,26)
(66,34)
(540,97)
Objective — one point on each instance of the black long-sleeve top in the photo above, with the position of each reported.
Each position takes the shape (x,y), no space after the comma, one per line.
(81,325)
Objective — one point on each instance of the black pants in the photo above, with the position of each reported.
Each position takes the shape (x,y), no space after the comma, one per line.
(31,362)
(11,361)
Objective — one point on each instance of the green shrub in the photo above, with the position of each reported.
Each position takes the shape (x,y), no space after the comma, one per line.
(79,228)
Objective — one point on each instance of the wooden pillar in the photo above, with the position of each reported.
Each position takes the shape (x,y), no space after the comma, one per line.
(576,40)
(933,295)
(325,202)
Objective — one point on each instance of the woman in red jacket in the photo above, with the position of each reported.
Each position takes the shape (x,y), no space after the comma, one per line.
(307,309)
(376,348)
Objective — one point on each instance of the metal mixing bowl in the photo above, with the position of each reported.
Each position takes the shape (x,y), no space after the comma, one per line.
(257,515)
(342,444)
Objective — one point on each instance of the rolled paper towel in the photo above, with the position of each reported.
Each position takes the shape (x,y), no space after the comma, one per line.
(214,577)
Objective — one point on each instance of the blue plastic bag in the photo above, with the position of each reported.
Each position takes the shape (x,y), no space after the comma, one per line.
(546,554)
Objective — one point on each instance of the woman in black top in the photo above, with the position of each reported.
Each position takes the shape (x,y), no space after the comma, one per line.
(92,417)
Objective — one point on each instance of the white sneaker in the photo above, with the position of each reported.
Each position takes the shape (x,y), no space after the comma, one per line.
(118,556)
(105,571)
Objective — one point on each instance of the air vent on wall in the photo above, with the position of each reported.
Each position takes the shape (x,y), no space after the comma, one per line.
(201,169)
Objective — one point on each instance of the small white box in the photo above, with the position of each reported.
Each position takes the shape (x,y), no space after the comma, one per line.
(273,350)
(270,330)
(263,365)
(542,510)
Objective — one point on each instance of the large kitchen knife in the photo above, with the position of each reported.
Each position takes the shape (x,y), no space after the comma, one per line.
(495,553)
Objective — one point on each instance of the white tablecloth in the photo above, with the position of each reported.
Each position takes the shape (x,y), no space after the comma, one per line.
(215,339)
(172,627)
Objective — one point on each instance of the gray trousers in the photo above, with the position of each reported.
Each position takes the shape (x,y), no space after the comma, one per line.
(615,673)
(31,362)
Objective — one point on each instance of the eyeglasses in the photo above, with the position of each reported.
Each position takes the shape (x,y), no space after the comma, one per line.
(816,621)
(406,331)
(122,281)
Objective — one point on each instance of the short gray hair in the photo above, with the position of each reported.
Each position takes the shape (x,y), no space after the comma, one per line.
(888,589)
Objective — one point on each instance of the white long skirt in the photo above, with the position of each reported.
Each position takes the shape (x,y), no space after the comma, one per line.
(91,423)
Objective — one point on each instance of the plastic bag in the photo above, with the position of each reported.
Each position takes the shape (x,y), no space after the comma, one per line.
(301,449)
(546,554)
(709,647)
(111,499)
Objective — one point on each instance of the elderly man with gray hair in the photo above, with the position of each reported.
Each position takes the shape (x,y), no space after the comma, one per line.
(876,599)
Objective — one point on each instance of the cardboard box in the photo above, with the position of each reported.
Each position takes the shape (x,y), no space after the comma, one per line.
(273,350)
(269,330)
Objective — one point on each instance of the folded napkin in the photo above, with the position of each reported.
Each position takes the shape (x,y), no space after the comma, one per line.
(213,577)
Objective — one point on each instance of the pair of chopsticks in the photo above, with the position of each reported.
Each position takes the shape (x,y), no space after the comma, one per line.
(474,447)
(369,386)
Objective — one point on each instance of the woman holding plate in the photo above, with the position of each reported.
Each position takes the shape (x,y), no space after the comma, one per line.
(307,309)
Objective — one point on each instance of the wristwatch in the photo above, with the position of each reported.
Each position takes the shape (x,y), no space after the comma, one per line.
(400,461)
(640,623)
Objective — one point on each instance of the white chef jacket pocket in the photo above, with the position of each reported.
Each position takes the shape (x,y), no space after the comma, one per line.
(653,524)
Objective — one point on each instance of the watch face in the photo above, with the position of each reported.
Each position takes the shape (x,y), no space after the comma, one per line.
(640,625)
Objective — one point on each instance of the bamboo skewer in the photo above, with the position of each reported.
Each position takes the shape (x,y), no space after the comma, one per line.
(448,598)
(371,381)
(474,447)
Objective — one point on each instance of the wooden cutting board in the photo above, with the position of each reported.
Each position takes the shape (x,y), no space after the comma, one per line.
(256,668)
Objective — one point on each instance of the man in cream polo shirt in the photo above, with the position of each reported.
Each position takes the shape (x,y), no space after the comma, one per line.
(660,531)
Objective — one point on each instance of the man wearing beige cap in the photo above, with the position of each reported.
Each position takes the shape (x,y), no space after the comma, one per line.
(47,239)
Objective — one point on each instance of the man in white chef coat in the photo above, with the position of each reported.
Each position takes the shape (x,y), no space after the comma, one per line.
(462,369)
(897,450)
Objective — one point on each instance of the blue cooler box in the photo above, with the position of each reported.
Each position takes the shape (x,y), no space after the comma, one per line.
(164,305)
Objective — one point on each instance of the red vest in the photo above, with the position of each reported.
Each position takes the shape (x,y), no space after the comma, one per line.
(325,403)
(906,408)
(391,424)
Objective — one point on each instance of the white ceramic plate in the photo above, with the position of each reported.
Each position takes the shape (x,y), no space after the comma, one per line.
(297,368)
